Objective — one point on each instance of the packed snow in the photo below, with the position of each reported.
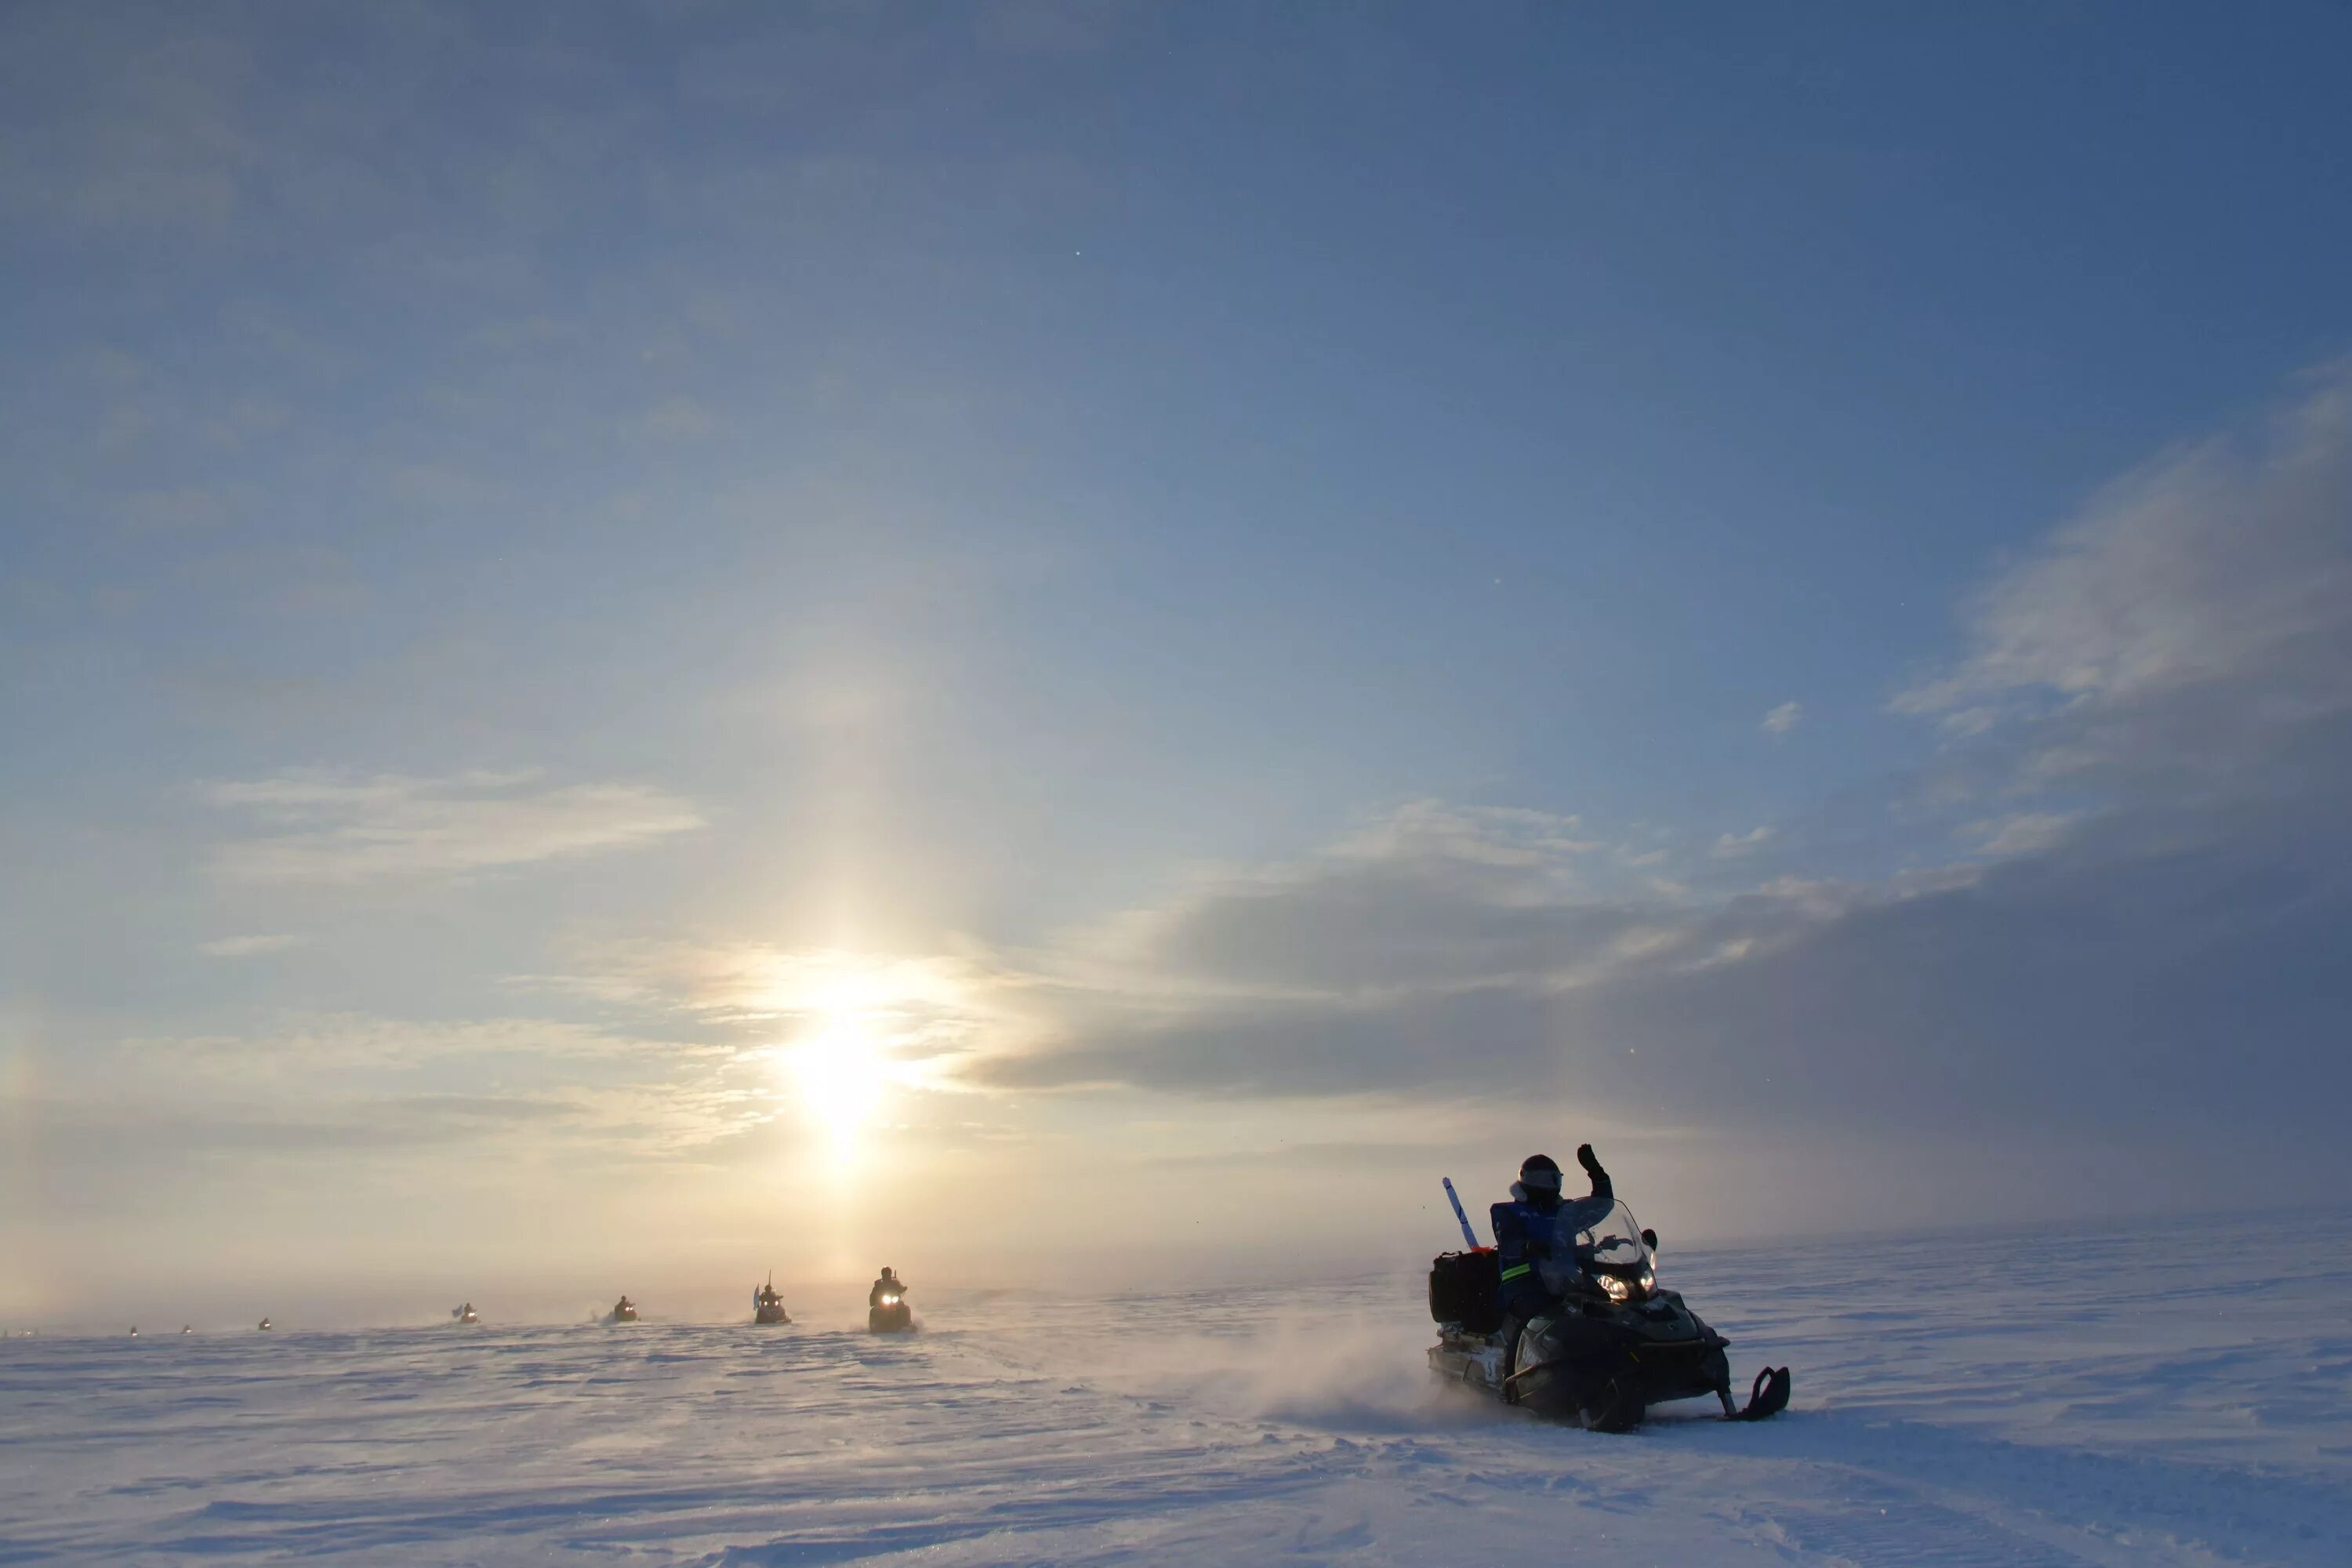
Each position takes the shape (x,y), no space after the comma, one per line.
(2158,1394)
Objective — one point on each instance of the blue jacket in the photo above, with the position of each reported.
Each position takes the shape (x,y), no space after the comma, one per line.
(1525,1235)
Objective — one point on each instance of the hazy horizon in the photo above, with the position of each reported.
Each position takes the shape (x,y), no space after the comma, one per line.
(649,641)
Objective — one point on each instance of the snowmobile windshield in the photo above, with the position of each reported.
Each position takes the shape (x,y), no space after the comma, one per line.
(1612,1245)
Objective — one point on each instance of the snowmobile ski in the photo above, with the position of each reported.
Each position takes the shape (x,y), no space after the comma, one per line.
(1766,1397)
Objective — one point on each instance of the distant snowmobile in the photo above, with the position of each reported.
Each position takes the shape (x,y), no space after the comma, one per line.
(466,1314)
(134,1330)
(1616,1346)
(265,1323)
(624,1311)
(767,1307)
(186,1331)
(888,1313)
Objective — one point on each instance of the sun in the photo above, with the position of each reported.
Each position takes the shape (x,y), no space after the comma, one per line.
(841,1074)
(864,1030)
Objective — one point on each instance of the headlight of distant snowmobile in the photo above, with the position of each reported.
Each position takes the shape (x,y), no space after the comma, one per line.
(1616,1289)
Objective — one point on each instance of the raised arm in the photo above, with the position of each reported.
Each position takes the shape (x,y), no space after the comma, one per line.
(1603,1193)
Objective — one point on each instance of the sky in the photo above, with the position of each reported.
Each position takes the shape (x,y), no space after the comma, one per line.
(643,642)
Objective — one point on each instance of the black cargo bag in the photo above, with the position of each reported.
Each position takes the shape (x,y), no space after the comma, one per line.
(1467,1288)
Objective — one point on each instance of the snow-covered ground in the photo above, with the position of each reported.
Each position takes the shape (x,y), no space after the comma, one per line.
(2153,1396)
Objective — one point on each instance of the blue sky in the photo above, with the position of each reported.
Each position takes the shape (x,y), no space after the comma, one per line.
(831,606)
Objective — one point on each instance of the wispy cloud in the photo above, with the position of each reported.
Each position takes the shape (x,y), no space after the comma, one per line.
(337,828)
(1729,845)
(248,946)
(403,1081)
(1399,959)
(928,1013)
(1497,835)
(2027,833)
(310,1042)
(2194,619)
(1783,719)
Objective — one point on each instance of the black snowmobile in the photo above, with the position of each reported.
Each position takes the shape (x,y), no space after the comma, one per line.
(624,1311)
(465,1314)
(1615,1344)
(889,1314)
(767,1307)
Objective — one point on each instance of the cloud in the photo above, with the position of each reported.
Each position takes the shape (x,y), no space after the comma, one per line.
(2074,987)
(1495,835)
(928,1015)
(2143,944)
(247,946)
(339,828)
(2027,833)
(1784,718)
(1729,845)
(2191,627)
(290,1082)
(1398,958)
(316,1041)
(147,1136)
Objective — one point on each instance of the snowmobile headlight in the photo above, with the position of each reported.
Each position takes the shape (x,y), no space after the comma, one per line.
(1649,1281)
(1616,1289)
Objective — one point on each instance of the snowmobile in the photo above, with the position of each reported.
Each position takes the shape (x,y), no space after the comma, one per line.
(624,1311)
(767,1307)
(265,1325)
(1613,1344)
(890,1314)
(465,1314)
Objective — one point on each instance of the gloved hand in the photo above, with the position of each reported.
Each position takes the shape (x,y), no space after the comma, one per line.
(1585,1157)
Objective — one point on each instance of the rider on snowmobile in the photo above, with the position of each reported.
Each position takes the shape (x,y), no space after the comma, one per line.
(1524,1226)
(888,1285)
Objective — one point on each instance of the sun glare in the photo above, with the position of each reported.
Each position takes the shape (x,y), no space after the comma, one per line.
(841,1075)
(864,1029)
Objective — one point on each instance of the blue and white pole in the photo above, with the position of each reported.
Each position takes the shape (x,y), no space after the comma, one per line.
(1468,1236)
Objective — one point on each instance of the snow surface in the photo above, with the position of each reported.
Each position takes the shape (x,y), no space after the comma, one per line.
(2173,1394)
